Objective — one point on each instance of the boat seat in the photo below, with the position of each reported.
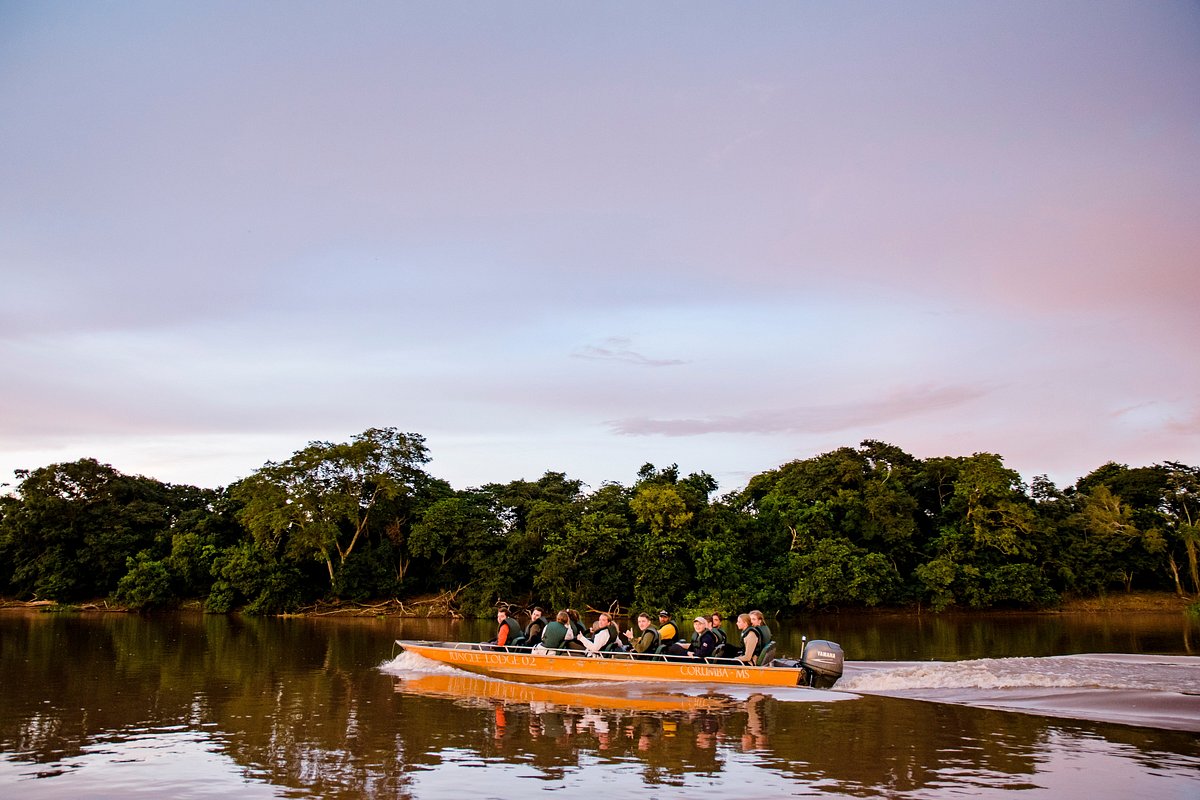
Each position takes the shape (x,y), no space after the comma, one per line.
(766,656)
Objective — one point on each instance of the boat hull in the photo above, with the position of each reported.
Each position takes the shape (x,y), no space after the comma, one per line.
(521,664)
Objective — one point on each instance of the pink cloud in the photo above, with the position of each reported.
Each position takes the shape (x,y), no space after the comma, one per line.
(809,419)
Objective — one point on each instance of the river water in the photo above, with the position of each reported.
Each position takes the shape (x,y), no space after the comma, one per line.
(192,706)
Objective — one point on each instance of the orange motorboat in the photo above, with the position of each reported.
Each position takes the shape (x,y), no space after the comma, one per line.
(820,666)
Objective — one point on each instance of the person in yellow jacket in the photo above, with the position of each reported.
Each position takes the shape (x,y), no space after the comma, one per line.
(668,631)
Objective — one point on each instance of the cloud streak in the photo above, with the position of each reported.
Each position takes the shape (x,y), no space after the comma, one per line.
(617,348)
(809,419)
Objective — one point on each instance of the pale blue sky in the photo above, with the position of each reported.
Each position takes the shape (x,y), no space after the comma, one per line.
(582,237)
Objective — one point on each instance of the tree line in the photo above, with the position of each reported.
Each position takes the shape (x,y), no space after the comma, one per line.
(855,527)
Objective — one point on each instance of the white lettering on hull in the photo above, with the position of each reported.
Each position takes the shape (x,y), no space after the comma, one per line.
(482,659)
(713,672)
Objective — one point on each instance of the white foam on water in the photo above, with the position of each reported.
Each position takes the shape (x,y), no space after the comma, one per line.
(408,663)
(1091,671)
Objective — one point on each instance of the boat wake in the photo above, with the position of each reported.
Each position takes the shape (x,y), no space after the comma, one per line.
(407,663)
(1098,671)
(1150,691)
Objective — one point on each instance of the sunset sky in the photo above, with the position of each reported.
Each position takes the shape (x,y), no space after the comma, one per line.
(586,236)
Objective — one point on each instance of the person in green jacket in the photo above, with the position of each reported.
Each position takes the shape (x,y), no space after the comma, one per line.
(646,642)
(554,635)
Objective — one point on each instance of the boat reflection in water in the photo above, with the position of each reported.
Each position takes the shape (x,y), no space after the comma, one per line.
(472,690)
(672,732)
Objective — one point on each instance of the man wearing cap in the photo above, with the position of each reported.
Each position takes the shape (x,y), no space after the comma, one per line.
(668,631)
(706,642)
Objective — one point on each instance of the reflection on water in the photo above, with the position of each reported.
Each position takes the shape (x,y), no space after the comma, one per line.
(122,706)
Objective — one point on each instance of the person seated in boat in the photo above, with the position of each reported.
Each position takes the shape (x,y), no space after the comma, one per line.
(706,642)
(752,640)
(604,636)
(554,635)
(576,630)
(668,630)
(533,631)
(714,625)
(722,649)
(645,643)
(759,621)
(509,634)
(680,648)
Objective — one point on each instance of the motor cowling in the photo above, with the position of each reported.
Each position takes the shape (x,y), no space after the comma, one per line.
(822,662)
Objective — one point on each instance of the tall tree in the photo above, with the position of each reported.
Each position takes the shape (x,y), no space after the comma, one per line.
(664,566)
(986,550)
(70,529)
(319,503)
(584,558)
(1181,506)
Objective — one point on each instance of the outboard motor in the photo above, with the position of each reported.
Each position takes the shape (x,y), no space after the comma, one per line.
(822,662)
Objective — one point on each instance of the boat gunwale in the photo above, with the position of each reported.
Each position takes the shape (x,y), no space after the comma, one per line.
(574,665)
(613,655)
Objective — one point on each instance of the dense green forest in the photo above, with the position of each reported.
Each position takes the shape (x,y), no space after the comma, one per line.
(855,527)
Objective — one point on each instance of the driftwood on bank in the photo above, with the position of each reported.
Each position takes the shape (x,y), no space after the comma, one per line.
(614,610)
(442,606)
(48,606)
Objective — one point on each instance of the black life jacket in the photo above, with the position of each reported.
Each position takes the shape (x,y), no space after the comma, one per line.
(716,644)
(515,635)
(677,637)
(653,648)
(721,638)
(765,633)
(614,638)
(760,643)
(533,632)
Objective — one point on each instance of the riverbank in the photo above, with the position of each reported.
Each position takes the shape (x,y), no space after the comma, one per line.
(1140,602)
(441,607)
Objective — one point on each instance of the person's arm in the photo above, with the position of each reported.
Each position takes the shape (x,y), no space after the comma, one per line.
(750,642)
(597,644)
(502,635)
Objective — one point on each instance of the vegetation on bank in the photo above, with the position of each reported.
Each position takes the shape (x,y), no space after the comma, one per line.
(853,528)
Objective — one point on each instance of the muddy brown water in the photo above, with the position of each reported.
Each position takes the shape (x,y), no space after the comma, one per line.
(183,705)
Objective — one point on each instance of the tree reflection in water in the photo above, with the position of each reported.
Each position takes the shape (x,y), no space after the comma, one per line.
(302,706)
